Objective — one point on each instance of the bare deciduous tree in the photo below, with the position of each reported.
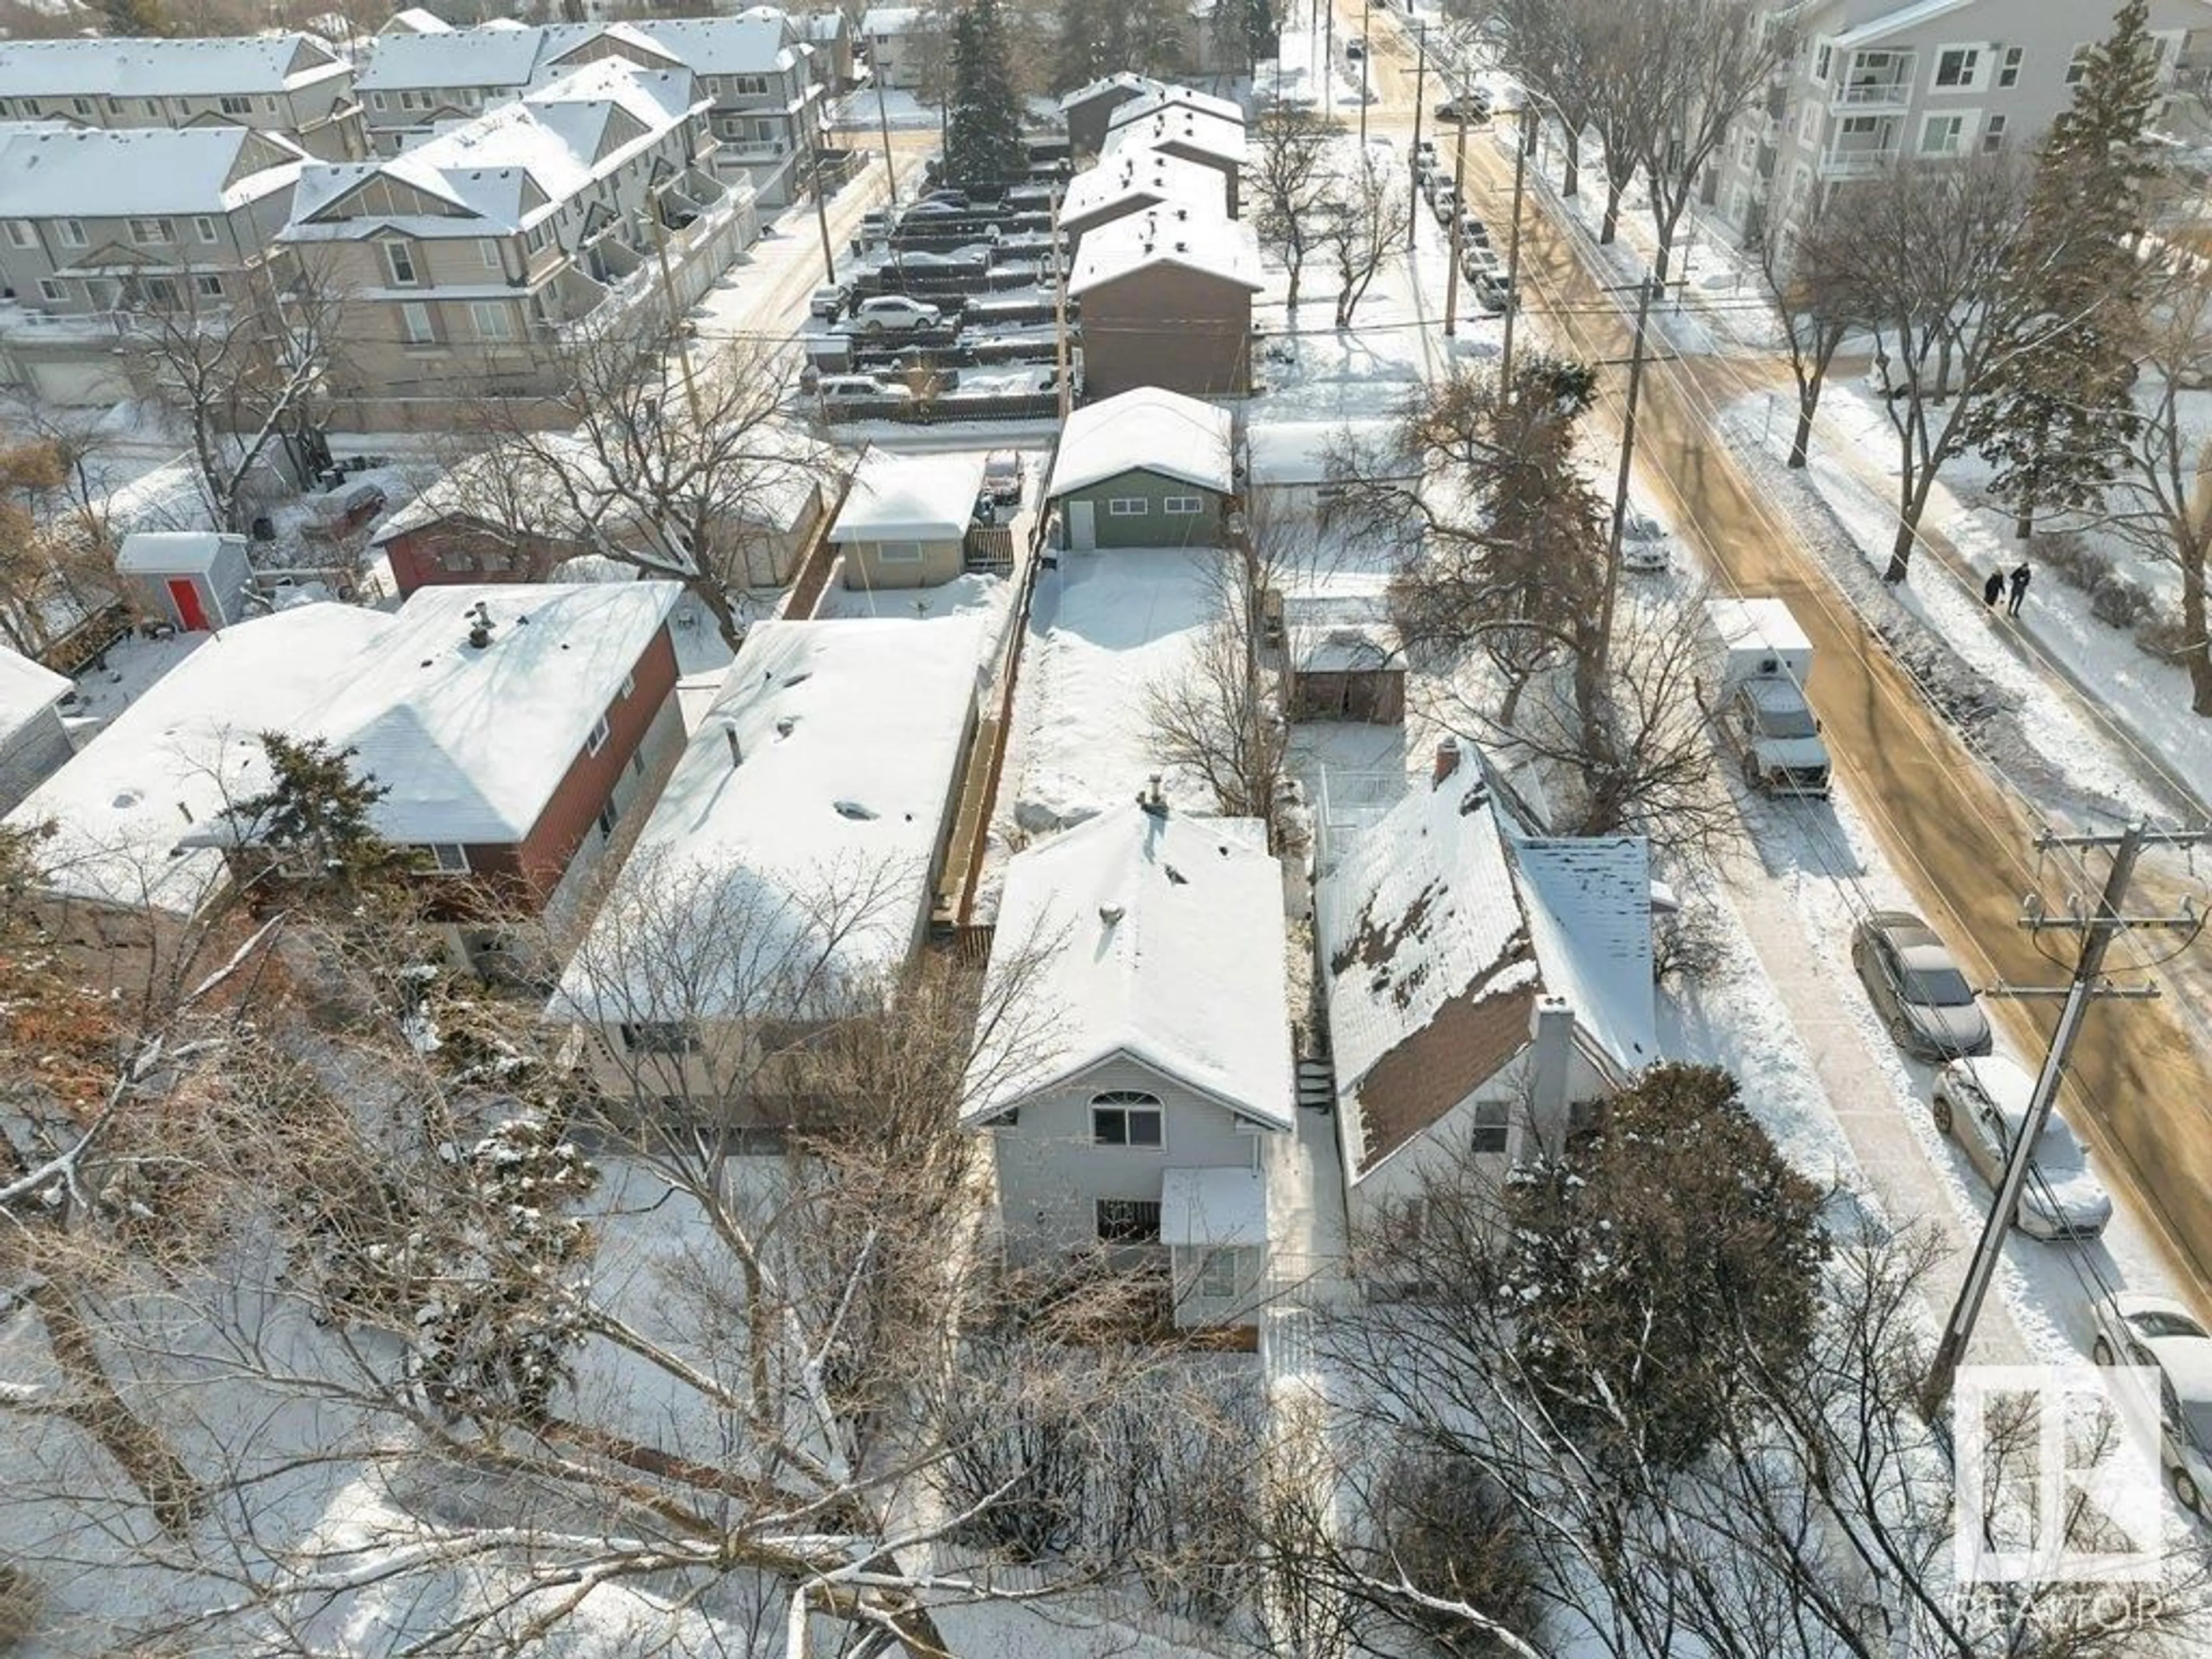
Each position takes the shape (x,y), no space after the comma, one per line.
(1816,309)
(1710,61)
(1363,225)
(1289,182)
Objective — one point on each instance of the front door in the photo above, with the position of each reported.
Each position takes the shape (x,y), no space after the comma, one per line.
(1082,525)
(186,596)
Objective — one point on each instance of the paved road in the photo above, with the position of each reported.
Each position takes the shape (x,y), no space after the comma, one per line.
(1957,837)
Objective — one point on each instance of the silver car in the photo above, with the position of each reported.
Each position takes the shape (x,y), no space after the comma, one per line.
(1915,985)
(1982,1105)
(2135,1329)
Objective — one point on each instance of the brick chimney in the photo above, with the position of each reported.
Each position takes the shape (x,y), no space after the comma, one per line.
(1446,760)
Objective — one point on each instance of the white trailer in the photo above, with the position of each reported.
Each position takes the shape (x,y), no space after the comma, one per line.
(1763,663)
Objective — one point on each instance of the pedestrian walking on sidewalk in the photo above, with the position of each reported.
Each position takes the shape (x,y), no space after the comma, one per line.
(2019,577)
(1994,587)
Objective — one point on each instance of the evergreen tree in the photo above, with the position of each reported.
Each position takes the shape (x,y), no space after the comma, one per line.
(137,17)
(2058,411)
(313,821)
(983,146)
(1098,37)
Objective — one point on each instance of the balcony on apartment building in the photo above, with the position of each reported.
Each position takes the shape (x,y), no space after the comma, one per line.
(1874,82)
(622,266)
(1861,146)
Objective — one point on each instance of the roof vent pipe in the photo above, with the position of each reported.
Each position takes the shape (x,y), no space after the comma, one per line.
(737,754)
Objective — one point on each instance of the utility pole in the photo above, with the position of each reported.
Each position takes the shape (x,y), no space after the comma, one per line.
(2098,932)
(1329,58)
(884,123)
(813,157)
(1366,17)
(1413,162)
(1459,216)
(676,325)
(1060,317)
(1643,290)
(1513,244)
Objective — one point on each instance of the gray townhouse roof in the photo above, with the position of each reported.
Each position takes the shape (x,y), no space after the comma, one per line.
(141,68)
(493,56)
(1194,241)
(95,172)
(1144,176)
(484,56)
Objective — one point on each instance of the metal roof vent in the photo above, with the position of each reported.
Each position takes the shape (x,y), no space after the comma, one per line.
(479,626)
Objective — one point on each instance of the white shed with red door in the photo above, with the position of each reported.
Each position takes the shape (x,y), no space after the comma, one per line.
(195,579)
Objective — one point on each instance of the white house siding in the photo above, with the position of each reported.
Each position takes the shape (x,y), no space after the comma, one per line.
(1050,1174)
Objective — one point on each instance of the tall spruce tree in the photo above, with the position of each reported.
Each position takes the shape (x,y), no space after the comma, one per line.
(2058,412)
(984,131)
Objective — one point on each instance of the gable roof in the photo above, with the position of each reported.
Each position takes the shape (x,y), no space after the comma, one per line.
(143,67)
(1158,937)
(1160,96)
(481,57)
(828,759)
(158,552)
(27,690)
(1905,17)
(754,42)
(96,172)
(1208,137)
(1124,84)
(1224,249)
(413,19)
(1439,928)
(910,497)
(1143,429)
(1140,178)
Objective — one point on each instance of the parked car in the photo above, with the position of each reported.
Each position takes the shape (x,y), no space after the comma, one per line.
(1475,262)
(1355,50)
(1643,544)
(1002,476)
(1476,104)
(892,312)
(1445,200)
(2134,1328)
(1915,985)
(1472,230)
(1982,1105)
(1492,292)
(856,388)
(1424,150)
(950,197)
(826,303)
(930,208)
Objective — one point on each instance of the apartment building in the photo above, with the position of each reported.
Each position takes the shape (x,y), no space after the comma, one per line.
(292,84)
(1875,81)
(754,70)
(468,258)
(100,230)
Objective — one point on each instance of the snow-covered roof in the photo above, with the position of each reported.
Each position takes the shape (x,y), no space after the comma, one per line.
(27,690)
(1158,97)
(1103,627)
(471,743)
(1126,84)
(482,56)
(413,19)
(179,755)
(829,25)
(1438,930)
(1186,237)
(1295,453)
(144,67)
(94,171)
(910,497)
(1213,1208)
(1154,936)
(1208,137)
(885,21)
(848,739)
(158,552)
(1904,18)
(1145,429)
(756,42)
(1140,178)
(483,168)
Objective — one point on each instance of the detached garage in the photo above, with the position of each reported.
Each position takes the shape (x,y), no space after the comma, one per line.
(905,520)
(195,580)
(1146,468)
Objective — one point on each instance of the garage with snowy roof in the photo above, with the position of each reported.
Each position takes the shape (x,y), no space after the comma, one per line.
(1145,468)
(905,522)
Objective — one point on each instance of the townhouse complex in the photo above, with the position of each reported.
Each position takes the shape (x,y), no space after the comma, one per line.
(1874,80)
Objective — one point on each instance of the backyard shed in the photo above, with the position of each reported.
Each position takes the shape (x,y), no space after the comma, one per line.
(197,580)
(1147,468)
(906,517)
(32,743)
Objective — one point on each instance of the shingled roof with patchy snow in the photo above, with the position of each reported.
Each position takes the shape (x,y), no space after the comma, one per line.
(1160,938)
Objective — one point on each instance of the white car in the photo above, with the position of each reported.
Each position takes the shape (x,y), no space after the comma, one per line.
(1983,1104)
(847,388)
(826,303)
(894,313)
(2135,1329)
(1643,544)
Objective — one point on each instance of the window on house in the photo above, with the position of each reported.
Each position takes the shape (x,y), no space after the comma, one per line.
(158,294)
(628,685)
(470,97)
(1216,1275)
(231,103)
(399,261)
(2078,66)
(898,552)
(1993,135)
(415,324)
(152,232)
(1129,1221)
(661,1036)
(1127,1117)
(208,287)
(204,227)
(1860,126)
(7,110)
(751,85)
(448,858)
(1823,61)
(153,106)
(82,107)
(2008,70)
(637,763)
(51,291)
(19,233)
(598,740)
(114,104)
(269,105)
(1127,506)
(494,320)
(376,101)
(610,816)
(1958,67)
(1939,135)
(413,100)
(490,250)
(1492,1124)
(1183,507)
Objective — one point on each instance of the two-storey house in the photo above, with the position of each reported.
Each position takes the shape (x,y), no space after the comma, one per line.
(1875,81)
(469,259)
(293,84)
(102,232)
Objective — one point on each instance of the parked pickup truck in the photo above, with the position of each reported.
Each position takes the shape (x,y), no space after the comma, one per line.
(1756,697)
